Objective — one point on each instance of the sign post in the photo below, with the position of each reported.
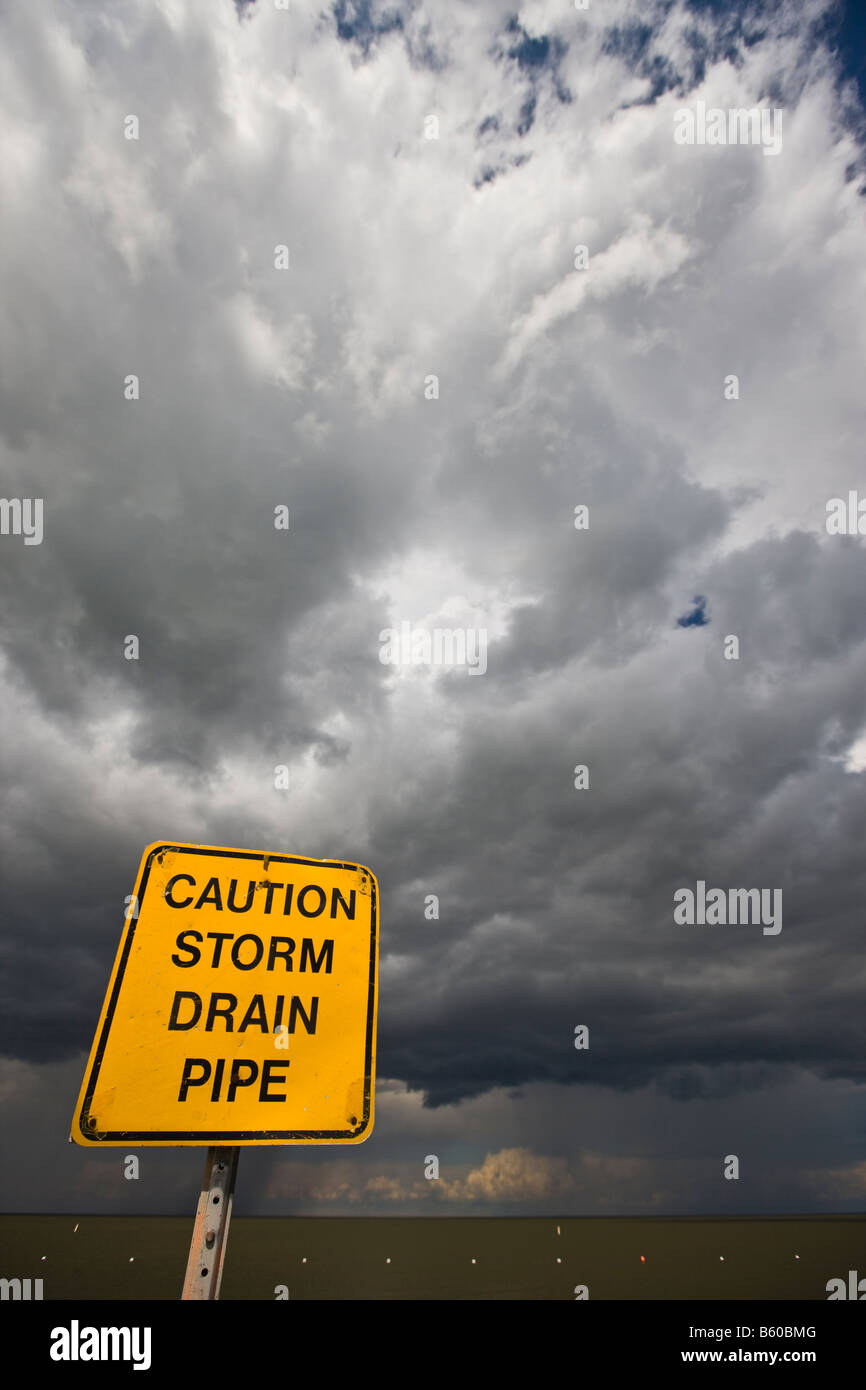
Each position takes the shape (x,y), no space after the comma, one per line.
(241,1010)
(204,1270)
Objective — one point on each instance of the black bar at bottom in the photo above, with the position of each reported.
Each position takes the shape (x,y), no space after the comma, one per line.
(262,1341)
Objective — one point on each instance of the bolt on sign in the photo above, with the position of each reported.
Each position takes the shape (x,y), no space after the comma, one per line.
(241,1007)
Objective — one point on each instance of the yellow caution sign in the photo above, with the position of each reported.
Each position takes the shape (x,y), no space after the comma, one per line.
(241,1007)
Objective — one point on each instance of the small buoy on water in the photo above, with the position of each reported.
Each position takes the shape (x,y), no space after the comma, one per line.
(388,1261)
(557,1230)
(643,1259)
(131,1259)
(473,1261)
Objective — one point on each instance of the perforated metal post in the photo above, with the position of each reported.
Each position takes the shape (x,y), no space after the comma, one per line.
(207,1249)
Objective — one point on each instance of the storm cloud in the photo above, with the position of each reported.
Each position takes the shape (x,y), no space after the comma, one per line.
(433,379)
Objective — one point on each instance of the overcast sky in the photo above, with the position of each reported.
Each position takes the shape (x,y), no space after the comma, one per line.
(418,252)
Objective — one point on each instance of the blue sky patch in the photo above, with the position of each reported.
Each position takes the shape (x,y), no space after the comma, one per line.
(698,615)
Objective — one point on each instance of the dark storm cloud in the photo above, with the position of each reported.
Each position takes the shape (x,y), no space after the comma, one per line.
(558,388)
(569,894)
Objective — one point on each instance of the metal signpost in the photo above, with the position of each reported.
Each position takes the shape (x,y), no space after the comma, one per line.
(241,1010)
(204,1270)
